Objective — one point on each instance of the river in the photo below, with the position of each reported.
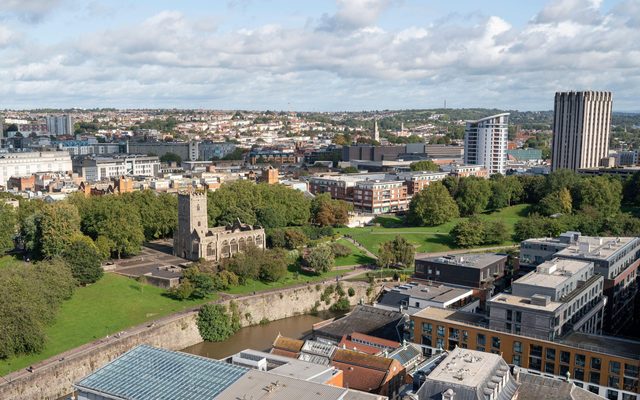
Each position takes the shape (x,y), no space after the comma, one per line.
(260,337)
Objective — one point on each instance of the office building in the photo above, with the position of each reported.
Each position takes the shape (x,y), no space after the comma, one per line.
(485,143)
(60,125)
(97,168)
(28,163)
(470,270)
(581,127)
(559,297)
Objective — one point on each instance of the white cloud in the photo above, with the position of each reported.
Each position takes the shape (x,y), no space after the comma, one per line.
(170,59)
(28,10)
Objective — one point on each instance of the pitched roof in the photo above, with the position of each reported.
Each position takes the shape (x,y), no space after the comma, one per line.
(361,359)
(363,371)
(286,345)
(366,319)
(149,372)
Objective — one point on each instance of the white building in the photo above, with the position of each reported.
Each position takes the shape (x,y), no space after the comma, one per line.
(60,125)
(27,163)
(96,168)
(485,143)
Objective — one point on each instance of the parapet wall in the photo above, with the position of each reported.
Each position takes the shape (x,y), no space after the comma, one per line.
(175,332)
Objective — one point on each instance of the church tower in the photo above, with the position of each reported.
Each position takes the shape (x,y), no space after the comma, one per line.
(192,216)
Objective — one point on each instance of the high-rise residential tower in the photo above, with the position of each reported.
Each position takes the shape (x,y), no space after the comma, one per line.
(485,143)
(60,125)
(581,127)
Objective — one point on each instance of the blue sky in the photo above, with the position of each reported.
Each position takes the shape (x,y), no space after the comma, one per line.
(316,55)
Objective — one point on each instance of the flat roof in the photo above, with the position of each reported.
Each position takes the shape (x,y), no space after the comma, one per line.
(553,273)
(259,385)
(525,302)
(470,260)
(600,248)
(469,368)
(146,372)
(439,293)
(285,366)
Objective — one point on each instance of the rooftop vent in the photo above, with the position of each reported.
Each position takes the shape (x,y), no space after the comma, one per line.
(540,300)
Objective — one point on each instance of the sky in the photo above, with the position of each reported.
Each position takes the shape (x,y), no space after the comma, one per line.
(316,55)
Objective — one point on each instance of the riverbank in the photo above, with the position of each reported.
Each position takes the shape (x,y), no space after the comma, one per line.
(174,332)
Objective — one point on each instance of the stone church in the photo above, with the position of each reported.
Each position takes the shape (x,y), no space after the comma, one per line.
(194,239)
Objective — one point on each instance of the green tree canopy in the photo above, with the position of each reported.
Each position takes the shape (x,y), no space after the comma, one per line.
(59,223)
(8,227)
(214,323)
(473,195)
(83,258)
(320,259)
(432,206)
(424,165)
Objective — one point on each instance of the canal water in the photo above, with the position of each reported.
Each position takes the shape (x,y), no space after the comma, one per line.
(260,337)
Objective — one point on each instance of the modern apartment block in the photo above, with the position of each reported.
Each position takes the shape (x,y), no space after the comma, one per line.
(28,163)
(470,270)
(375,193)
(609,366)
(485,143)
(617,259)
(581,128)
(559,297)
(60,125)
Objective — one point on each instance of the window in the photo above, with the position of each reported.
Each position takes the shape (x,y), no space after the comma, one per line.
(465,336)
(482,340)
(595,363)
(495,342)
(612,394)
(565,357)
(535,351)
(594,389)
(614,381)
(631,370)
(440,331)
(427,328)
(517,360)
(426,340)
(578,373)
(551,354)
(580,360)
(594,377)
(440,343)
(509,315)
(549,368)
(535,363)
(507,327)
(518,316)
(454,334)
(626,396)
(614,367)
(517,347)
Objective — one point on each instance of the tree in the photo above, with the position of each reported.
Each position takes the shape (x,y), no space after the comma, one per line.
(83,258)
(424,165)
(294,239)
(340,250)
(473,195)
(559,202)
(203,283)
(8,223)
(214,324)
(273,266)
(328,212)
(600,192)
(495,232)
(170,157)
(396,252)
(469,233)
(245,265)
(432,206)
(320,259)
(58,224)
(561,179)
(505,191)
(349,170)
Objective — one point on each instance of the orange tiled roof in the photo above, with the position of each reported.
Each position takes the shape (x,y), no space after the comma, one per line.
(288,344)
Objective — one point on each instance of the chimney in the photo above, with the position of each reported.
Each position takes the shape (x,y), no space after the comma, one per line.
(449,394)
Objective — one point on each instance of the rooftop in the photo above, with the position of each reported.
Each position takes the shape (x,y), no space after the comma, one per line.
(365,319)
(553,273)
(526,302)
(469,368)
(439,293)
(599,248)
(469,260)
(148,371)
(536,387)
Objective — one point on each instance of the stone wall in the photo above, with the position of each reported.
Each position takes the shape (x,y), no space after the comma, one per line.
(175,332)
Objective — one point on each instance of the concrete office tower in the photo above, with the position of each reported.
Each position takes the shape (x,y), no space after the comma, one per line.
(581,127)
(60,125)
(485,143)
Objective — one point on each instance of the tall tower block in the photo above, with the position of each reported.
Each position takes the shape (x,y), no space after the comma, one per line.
(192,221)
(376,132)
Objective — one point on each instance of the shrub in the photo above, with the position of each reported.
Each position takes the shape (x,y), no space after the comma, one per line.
(214,324)
(340,250)
(351,292)
(341,305)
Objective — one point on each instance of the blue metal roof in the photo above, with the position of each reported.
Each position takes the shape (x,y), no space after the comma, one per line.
(152,373)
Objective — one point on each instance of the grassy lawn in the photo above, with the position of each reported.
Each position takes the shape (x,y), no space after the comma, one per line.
(357,256)
(426,239)
(111,305)
(6,261)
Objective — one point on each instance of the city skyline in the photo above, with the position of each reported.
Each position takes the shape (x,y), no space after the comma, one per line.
(322,56)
